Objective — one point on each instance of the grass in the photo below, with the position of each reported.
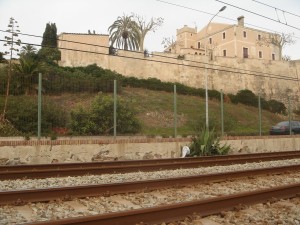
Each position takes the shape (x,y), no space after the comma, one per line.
(155,110)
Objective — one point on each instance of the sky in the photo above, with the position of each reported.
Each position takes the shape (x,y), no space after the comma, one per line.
(79,16)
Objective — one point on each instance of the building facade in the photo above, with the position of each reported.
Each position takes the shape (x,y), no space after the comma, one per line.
(235,41)
(71,46)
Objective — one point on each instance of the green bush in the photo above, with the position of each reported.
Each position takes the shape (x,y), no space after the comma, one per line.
(232,98)
(276,107)
(247,97)
(23,114)
(99,118)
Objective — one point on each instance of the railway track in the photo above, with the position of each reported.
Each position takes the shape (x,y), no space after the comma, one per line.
(79,169)
(70,192)
(170,213)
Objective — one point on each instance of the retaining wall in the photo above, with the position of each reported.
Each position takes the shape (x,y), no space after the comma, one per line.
(15,151)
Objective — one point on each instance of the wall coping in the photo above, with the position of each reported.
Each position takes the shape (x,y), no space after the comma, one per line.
(19,141)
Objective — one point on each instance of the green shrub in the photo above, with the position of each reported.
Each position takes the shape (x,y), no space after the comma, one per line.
(99,118)
(247,97)
(214,94)
(232,98)
(23,114)
(276,107)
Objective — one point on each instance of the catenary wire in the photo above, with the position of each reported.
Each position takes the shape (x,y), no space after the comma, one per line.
(172,63)
(162,56)
(284,11)
(252,25)
(257,14)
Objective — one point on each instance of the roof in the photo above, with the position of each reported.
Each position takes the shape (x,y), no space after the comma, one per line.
(84,34)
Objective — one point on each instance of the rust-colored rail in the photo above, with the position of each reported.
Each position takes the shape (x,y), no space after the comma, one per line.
(169,213)
(79,169)
(47,194)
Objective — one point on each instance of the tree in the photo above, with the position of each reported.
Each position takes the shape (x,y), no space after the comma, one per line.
(12,42)
(278,40)
(171,44)
(2,59)
(124,34)
(286,58)
(143,27)
(50,35)
(28,51)
(27,74)
(49,51)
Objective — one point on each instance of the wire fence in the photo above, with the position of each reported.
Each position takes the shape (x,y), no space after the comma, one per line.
(69,107)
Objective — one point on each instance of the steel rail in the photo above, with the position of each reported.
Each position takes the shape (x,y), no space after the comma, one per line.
(29,167)
(175,212)
(79,169)
(47,194)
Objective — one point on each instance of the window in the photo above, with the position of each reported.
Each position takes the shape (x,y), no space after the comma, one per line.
(259,37)
(191,34)
(199,44)
(210,40)
(273,56)
(224,52)
(196,53)
(245,34)
(245,53)
(260,54)
(224,35)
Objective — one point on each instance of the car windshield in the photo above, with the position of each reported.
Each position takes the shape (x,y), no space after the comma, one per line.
(285,123)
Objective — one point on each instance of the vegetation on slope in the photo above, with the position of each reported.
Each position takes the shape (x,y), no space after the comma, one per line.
(66,89)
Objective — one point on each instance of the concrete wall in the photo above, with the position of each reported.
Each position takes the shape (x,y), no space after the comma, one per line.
(106,149)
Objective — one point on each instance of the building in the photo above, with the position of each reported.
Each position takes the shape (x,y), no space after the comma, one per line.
(72,45)
(218,39)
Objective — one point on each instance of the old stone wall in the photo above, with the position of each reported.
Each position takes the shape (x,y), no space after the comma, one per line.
(272,79)
(13,151)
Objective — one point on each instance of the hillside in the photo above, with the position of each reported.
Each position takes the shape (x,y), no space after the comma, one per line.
(155,111)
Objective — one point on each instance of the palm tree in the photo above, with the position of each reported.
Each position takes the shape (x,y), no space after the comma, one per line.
(27,74)
(28,51)
(123,33)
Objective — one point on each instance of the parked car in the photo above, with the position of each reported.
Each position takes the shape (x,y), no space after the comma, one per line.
(284,128)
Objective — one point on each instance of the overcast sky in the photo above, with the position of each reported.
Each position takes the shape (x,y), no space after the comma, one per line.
(79,16)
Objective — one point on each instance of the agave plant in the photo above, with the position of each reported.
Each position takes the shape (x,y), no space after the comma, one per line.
(207,143)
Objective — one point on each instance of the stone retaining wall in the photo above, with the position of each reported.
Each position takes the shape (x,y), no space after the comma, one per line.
(15,151)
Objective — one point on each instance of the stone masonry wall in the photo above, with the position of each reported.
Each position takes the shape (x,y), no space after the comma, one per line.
(272,79)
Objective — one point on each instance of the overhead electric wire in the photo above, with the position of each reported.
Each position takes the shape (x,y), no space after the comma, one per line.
(272,76)
(284,11)
(252,25)
(257,14)
(162,56)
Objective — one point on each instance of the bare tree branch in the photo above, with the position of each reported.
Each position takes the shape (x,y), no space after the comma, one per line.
(143,27)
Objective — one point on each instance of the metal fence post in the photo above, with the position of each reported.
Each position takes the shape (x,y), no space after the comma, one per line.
(222,114)
(115,109)
(290,125)
(259,114)
(39,106)
(175,112)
